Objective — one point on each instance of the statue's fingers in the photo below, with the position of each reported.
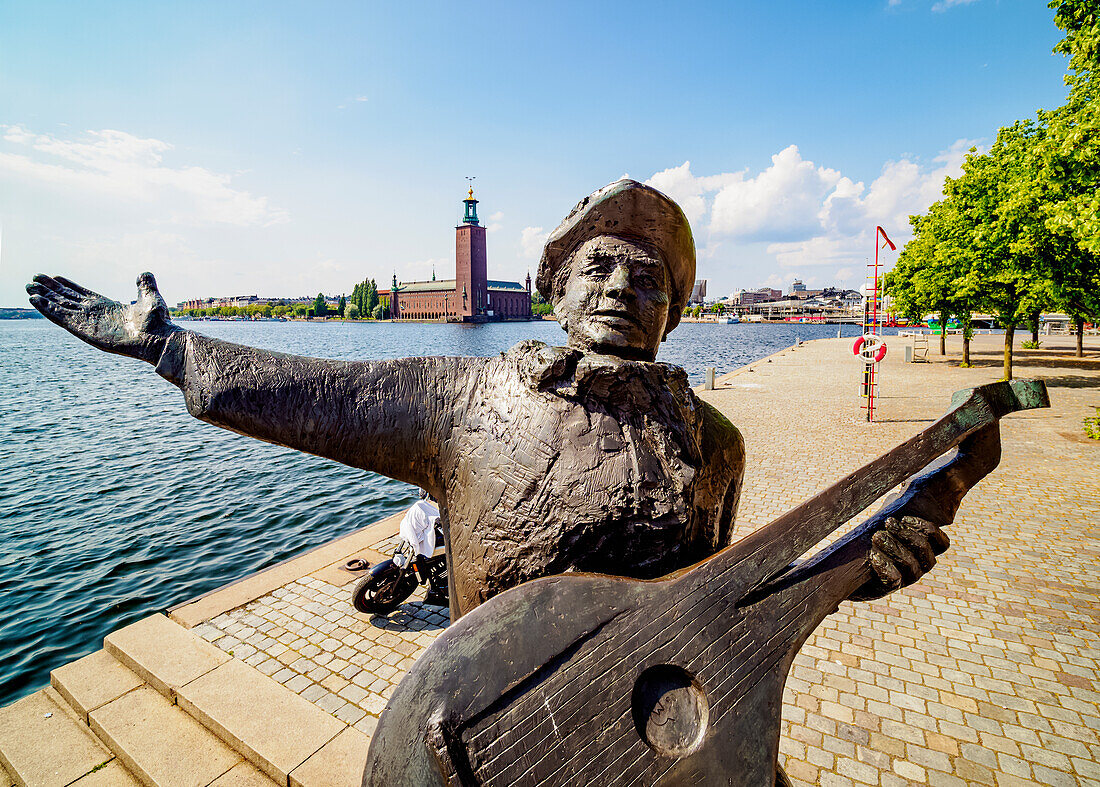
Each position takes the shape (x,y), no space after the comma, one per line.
(50,310)
(886,571)
(58,298)
(897,552)
(45,283)
(937,537)
(916,540)
(72,285)
(42,290)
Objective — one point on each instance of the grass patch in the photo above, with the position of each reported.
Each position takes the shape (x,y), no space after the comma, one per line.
(1092,425)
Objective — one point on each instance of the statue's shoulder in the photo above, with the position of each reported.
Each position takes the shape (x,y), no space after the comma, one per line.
(539,364)
(719,433)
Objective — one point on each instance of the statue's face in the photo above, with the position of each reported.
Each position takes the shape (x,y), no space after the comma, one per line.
(615,300)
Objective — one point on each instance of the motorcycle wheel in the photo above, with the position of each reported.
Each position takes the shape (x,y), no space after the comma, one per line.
(383,589)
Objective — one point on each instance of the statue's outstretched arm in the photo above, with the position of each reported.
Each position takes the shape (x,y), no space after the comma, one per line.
(385,416)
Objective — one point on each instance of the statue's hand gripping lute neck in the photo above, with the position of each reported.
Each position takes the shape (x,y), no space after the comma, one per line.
(138,330)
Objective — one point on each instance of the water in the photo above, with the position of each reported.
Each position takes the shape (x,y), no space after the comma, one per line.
(115,503)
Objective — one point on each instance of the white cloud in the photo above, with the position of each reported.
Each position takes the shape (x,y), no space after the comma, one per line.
(942,6)
(688,190)
(802,216)
(361,98)
(532,239)
(782,202)
(131,170)
(495,222)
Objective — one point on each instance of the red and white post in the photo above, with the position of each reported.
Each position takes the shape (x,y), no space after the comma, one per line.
(870,347)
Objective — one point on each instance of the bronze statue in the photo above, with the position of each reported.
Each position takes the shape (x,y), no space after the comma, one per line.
(590,457)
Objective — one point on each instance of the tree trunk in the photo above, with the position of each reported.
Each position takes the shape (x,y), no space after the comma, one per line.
(943,333)
(1033,323)
(966,348)
(1009,331)
(1080,336)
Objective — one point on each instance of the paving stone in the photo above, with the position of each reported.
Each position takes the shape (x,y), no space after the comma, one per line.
(163,653)
(243,774)
(42,744)
(274,728)
(158,742)
(92,681)
(339,762)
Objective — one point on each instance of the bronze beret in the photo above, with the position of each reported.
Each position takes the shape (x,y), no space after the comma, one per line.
(632,210)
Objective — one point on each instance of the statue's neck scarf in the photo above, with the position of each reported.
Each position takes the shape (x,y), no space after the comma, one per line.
(638,392)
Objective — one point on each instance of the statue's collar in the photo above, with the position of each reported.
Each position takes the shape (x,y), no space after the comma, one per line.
(573,372)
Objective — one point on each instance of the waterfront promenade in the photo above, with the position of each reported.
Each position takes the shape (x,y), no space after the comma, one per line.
(985,672)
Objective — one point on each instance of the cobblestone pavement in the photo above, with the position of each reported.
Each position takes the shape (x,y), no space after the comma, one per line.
(985,672)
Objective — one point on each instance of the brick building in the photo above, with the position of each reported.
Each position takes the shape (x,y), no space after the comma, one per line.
(471,296)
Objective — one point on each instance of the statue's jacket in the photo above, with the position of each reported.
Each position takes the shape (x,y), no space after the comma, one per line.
(544,460)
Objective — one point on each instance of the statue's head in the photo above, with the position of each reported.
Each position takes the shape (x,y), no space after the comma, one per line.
(619,270)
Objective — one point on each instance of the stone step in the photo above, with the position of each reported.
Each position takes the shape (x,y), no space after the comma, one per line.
(161,706)
(163,653)
(93,681)
(43,743)
(269,724)
(165,747)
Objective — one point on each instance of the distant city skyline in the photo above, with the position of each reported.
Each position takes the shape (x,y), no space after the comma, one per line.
(306,148)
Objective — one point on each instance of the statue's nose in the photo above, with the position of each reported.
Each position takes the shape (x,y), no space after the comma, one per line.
(618,283)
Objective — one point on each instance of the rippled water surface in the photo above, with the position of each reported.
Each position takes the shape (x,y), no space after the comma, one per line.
(115,503)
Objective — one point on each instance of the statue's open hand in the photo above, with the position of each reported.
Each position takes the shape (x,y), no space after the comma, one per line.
(901,553)
(138,330)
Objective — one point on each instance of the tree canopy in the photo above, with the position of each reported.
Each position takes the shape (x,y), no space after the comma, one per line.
(1018,231)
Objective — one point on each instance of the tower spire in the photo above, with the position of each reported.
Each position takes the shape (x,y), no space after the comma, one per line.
(470,216)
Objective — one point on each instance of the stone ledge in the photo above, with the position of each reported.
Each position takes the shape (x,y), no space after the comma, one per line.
(163,653)
(159,743)
(92,681)
(44,745)
(268,723)
(339,762)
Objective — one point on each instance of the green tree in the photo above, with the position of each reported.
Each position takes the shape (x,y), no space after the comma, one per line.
(343,304)
(371,296)
(922,280)
(1072,151)
(1011,246)
(539,306)
(320,308)
(351,312)
(1068,181)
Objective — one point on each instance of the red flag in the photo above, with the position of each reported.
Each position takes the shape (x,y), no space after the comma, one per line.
(886,238)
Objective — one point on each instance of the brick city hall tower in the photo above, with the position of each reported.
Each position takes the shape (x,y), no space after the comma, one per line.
(471,277)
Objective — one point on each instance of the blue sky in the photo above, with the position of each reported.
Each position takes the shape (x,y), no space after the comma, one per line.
(287,148)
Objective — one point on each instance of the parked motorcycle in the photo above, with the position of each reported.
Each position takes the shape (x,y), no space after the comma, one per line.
(392,581)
